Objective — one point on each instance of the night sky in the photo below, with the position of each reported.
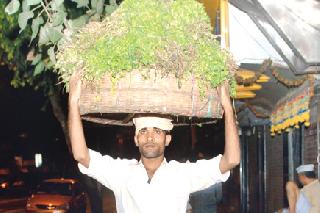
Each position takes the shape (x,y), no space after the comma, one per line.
(27,123)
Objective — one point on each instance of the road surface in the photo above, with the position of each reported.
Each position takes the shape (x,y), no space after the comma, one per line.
(12,205)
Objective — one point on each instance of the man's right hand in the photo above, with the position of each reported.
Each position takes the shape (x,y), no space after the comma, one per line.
(79,147)
(224,95)
(232,155)
(75,87)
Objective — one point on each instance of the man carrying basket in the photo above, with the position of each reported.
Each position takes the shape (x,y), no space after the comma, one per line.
(152,184)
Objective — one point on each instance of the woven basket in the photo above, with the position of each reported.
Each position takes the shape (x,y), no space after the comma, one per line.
(138,93)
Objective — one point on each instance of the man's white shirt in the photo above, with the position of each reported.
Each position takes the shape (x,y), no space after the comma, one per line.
(167,192)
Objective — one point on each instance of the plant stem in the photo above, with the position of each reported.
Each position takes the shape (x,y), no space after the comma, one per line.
(45,8)
(37,7)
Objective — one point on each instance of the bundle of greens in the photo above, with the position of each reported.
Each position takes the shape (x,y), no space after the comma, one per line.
(169,36)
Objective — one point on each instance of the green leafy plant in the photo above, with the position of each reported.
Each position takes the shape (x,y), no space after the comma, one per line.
(43,24)
(30,33)
(168,36)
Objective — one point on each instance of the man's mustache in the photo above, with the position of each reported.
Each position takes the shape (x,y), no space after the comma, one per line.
(149,144)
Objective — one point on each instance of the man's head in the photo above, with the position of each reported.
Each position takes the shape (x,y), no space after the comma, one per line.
(306,173)
(151,135)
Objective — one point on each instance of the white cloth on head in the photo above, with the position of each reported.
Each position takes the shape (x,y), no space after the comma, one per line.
(305,168)
(158,122)
(167,192)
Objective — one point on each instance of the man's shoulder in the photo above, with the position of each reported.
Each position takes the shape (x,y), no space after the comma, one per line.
(317,184)
(126,161)
(108,158)
(313,187)
(187,162)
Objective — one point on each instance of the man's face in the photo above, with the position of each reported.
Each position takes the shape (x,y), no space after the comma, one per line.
(302,179)
(152,141)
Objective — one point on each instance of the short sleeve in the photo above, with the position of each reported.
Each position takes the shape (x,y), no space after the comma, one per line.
(205,173)
(105,169)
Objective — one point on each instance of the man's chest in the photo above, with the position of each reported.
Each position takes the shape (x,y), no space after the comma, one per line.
(166,185)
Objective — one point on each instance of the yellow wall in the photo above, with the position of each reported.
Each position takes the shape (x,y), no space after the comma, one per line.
(211,7)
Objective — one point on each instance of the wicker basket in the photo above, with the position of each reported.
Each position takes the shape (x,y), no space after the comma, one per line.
(138,93)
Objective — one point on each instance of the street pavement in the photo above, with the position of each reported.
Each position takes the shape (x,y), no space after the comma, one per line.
(12,205)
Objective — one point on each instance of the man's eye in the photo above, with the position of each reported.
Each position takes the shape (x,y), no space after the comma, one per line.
(158,131)
(142,131)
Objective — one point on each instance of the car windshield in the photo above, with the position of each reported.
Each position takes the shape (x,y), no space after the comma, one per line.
(54,188)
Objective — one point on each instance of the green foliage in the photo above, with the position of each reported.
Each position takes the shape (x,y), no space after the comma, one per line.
(12,7)
(170,36)
(35,26)
(31,31)
(81,3)
(23,19)
(33,2)
(11,45)
(7,26)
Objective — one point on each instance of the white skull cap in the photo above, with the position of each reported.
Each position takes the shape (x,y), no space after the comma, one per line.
(147,121)
(305,168)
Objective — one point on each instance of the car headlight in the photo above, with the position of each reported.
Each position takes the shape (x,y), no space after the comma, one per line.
(64,206)
(4,185)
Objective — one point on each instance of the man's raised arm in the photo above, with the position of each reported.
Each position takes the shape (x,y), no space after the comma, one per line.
(231,155)
(79,147)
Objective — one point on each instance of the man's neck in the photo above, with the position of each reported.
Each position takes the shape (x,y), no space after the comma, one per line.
(151,164)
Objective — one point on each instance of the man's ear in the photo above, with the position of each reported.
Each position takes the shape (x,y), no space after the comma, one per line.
(136,140)
(168,139)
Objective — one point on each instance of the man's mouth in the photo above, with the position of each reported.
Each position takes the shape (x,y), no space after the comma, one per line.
(149,145)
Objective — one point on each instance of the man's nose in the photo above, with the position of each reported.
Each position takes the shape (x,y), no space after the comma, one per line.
(150,136)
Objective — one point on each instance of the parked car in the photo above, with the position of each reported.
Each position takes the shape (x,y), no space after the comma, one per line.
(10,183)
(57,196)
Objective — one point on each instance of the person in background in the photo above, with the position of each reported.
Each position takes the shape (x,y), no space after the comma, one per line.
(307,199)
